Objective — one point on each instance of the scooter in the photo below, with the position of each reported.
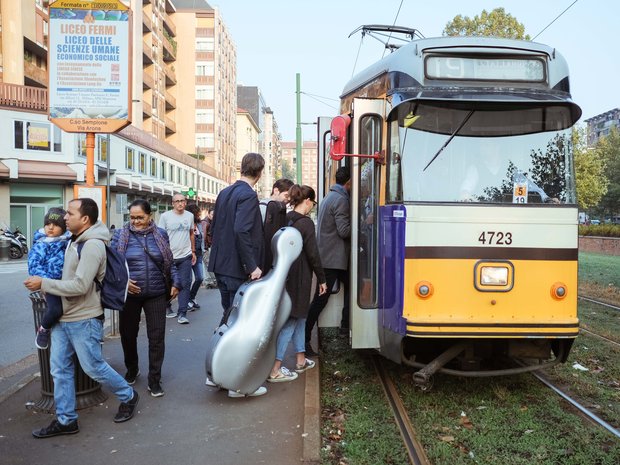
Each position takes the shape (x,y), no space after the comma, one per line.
(21,238)
(16,249)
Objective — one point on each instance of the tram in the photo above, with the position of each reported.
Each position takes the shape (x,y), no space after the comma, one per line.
(463,205)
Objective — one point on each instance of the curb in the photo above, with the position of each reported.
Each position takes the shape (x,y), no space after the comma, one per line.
(311,444)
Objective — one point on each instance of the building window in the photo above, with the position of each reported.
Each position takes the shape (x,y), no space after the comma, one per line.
(81,140)
(179,175)
(142,165)
(171,173)
(162,170)
(37,136)
(102,143)
(129,158)
(153,171)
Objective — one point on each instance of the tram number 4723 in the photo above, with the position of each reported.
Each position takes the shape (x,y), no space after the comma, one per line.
(495,237)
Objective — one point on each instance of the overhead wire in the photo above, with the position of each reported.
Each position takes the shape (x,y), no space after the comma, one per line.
(393,24)
(556,18)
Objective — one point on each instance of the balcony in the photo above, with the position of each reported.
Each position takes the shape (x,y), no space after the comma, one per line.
(23,97)
(171,101)
(170,52)
(34,75)
(147,81)
(202,103)
(147,24)
(147,54)
(205,56)
(171,126)
(169,25)
(202,128)
(204,80)
(171,77)
(147,110)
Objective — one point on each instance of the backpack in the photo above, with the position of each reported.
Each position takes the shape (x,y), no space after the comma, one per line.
(113,287)
(262,205)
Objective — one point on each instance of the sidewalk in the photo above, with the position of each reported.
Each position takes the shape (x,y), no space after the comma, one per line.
(191,424)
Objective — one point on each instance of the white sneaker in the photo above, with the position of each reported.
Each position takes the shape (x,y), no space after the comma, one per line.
(259,392)
(210,383)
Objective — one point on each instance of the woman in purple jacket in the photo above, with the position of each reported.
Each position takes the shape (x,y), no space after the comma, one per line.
(149,258)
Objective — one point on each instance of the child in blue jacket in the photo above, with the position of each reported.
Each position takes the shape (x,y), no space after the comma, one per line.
(46,259)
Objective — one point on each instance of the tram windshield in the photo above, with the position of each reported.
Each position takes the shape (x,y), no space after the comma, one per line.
(512,155)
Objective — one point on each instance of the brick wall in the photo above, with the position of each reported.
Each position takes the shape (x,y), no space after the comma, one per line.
(604,245)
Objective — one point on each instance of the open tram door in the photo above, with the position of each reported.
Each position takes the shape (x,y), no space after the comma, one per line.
(363,135)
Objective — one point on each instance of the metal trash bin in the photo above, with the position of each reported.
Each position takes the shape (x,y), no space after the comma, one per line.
(5,249)
(88,392)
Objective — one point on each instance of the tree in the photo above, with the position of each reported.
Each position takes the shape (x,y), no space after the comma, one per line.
(287,171)
(608,149)
(589,172)
(497,23)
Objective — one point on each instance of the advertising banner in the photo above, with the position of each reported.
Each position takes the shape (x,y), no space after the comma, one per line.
(90,65)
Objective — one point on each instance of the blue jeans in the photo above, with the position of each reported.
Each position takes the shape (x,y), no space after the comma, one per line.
(84,339)
(199,274)
(184,271)
(294,329)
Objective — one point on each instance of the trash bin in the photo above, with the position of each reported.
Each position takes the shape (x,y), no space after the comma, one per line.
(5,249)
(88,392)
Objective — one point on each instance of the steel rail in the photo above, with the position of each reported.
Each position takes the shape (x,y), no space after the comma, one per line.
(599,336)
(596,419)
(417,456)
(604,304)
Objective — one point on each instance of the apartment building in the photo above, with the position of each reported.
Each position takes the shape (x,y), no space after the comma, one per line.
(309,161)
(600,125)
(40,164)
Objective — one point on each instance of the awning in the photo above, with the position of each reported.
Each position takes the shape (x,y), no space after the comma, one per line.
(4,170)
(30,169)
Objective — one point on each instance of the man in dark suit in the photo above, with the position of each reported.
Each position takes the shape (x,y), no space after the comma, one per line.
(238,242)
(237,232)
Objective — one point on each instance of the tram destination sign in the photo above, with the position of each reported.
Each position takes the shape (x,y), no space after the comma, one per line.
(90,65)
(485,68)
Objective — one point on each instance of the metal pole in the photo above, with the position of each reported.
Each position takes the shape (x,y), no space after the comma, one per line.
(107,180)
(90,159)
(298,129)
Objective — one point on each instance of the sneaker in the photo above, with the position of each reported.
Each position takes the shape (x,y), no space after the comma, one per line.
(310,351)
(283,375)
(156,390)
(127,409)
(170,313)
(306,366)
(259,392)
(56,429)
(42,341)
(183,320)
(193,305)
(131,375)
(209,382)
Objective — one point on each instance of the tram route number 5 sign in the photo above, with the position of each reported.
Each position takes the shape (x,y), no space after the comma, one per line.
(90,65)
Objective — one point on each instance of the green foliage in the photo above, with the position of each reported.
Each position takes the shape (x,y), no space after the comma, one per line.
(589,172)
(608,150)
(288,172)
(602,230)
(497,23)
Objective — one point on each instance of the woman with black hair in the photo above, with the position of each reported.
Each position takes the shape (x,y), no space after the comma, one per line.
(149,258)
(299,285)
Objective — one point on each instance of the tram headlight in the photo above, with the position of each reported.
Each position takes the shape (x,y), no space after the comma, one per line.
(494,275)
(559,291)
(424,289)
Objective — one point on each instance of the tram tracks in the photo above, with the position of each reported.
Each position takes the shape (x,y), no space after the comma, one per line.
(414,448)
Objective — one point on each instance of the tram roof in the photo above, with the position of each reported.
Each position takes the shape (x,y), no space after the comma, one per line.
(403,61)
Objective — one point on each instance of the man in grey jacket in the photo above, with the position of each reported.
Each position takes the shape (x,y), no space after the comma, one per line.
(333,237)
(80,329)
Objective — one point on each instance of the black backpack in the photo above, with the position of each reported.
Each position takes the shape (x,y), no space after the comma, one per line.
(113,287)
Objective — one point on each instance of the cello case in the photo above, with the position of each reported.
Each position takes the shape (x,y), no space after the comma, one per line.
(242,349)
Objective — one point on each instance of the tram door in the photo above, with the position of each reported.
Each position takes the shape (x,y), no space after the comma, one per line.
(366,134)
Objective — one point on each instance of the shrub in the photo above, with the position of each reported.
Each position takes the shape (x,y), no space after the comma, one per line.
(601,230)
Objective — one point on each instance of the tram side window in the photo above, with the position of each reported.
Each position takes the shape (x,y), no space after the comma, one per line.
(394,168)
(370,142)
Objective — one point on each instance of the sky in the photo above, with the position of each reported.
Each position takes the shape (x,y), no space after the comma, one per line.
(275,39)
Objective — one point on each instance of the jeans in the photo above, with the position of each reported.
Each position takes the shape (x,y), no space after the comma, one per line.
(184,271)
(84,339)
(294,329)
(320,301)
(53,312)
(199,271)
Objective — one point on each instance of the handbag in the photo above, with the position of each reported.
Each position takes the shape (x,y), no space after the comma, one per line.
(167,277)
